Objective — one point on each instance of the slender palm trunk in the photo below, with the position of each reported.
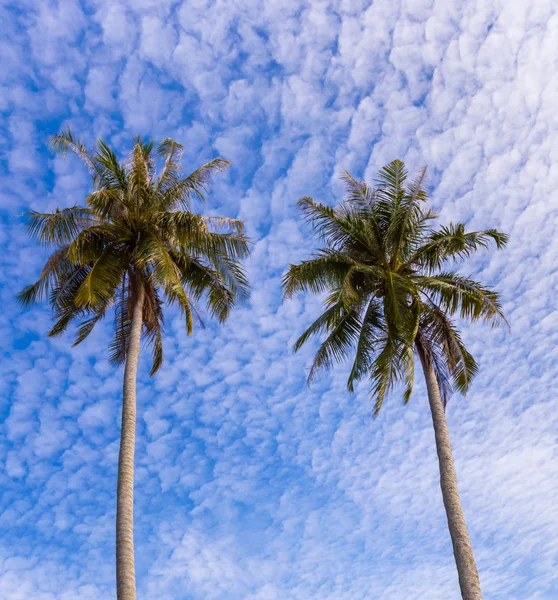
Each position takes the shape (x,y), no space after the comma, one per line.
(462,548)
(125,567)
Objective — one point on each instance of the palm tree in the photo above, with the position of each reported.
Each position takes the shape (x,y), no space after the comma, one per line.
(132,246)
(389,297)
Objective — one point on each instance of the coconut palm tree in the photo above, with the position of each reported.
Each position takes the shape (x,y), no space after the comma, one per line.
(133,245)
(390,296)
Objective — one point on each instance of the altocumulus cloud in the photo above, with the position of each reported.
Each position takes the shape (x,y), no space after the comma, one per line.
(249,485)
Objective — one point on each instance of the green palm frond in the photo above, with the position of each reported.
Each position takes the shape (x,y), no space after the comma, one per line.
(390,182)
(359,193)
(103,278)
(408,373)
(232,274)
(152,251)
(62,298)
(180,194)
(176,294)
(234,245)
(112,174)
(55,267)
(387,368)
(325,322)
(87,326)
(198,234)
(339,228)
(107,202)
(440,333)
(398,295)
(407,217)
(153,315)
(372,330)
(328,270)
(224,223)
(342,335)
(184,227)
(166,273)
(463,296)
(452,242)
(171,151)
(206,281)
(433,357)
(62,142)
(89,245)
(59,227)
(63,321)
(365,204)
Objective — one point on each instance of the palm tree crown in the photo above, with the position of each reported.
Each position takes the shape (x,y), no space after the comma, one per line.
(136,232)
(389,289)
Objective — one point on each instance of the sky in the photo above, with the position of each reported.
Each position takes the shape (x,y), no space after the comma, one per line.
(249,484)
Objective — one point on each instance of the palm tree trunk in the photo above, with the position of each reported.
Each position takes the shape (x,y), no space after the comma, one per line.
(125,567)
(462,548)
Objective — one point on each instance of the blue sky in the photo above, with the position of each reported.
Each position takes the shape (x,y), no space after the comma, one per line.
(249,484)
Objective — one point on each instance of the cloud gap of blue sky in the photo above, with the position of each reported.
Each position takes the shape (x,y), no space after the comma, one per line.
(249,484)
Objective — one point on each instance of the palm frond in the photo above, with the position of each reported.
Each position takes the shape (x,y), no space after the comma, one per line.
(387,368)
(366,205)
(343,335)
(192,233)
(403,216)
(196,184)
(112,174)
(233,275)
(372,330)
(460,295)
(56,265)
(327,321)
(327,270)
(359,193)
(151,252)
(407,220)
(432,356)
(408,363)
(62,298)
(155,338)
(89,245)
(140,176)
(400,300)
(340,228)
(86,327)
(122,322)
(59,227)
(107,202)
(166,273)
(224,223)
(171,151)
(451,243)
(62,142)
(202,280)
(102,280)
(390,181)
(438,334)
(176,294)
